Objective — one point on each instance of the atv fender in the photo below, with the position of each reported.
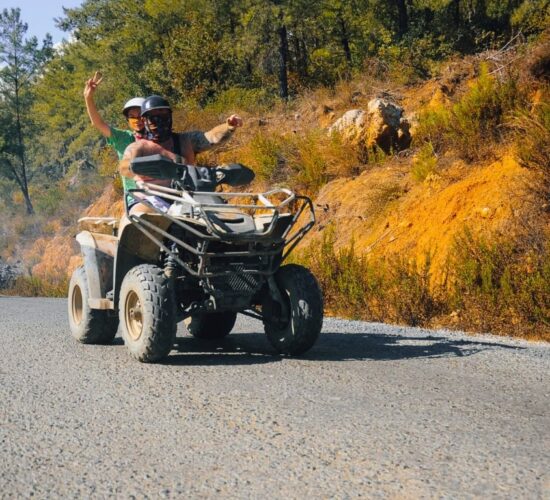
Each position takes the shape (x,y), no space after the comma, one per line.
(134,248)
(98,251)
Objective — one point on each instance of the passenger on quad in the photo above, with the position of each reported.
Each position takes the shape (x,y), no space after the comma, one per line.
(118,139)
(179,147)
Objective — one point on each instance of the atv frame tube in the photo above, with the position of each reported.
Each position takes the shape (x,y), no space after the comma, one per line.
(212,232)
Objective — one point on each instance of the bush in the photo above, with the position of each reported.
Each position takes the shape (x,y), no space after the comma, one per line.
(316,158)
(389,289)
(531,17)
(534,136)
(48,201)
(264,154)
(478,116)
(425,162)
(475,122)
(31,286)
(501,285)
(236,98)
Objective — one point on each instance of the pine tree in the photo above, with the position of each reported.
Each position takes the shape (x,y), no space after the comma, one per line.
(21,60)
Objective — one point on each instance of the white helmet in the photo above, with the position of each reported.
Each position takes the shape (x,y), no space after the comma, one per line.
(135,102)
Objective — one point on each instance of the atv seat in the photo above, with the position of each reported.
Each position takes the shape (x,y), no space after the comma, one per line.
(232,222)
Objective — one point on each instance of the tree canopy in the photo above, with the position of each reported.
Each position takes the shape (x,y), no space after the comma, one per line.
(194,50)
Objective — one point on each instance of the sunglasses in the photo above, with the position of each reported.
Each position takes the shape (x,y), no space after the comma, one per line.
(159,119)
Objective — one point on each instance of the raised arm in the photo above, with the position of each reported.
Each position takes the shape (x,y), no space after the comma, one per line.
(95,118)
(203,141)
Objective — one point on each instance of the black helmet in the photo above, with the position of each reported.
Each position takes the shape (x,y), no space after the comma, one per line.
(154,102)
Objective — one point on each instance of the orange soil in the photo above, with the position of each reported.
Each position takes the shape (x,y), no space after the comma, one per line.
(58,257)
(425,217)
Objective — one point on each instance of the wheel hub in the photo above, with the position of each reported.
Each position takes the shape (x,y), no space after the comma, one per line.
(133,316)
(77,305)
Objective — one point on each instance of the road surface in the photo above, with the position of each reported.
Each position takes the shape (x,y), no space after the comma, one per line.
(373,410)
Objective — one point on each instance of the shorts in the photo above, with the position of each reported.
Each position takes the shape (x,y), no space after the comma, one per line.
(159,203)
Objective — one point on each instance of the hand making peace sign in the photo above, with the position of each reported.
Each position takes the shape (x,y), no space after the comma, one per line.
(92,84)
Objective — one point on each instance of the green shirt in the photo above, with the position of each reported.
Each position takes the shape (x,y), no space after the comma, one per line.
(119,141)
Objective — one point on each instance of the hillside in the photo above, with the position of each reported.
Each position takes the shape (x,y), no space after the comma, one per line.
(451,230)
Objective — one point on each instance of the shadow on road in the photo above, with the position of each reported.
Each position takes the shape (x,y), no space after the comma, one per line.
(377,346)
(253,348)
(237,349)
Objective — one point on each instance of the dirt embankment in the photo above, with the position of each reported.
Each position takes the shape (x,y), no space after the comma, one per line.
(386,213)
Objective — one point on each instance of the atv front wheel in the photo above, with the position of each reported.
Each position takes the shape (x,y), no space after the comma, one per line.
(211,326)
(89,326)
(147,313)
(294,328)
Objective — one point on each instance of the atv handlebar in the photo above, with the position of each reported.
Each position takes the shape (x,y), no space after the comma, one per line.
(190,177)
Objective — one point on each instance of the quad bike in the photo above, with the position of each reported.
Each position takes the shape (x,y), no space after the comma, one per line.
(209,256)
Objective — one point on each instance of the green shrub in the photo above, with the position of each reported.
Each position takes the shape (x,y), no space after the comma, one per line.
(534,137)
(264,154)
(31,286)
(476,121)
(531,17)
(309,160)
(433,127)
(379,290)
(237,98)
(500,284)
(425,162)
(48,200)
(478,116)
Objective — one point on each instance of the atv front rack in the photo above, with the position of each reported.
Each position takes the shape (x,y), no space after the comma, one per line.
(272,229)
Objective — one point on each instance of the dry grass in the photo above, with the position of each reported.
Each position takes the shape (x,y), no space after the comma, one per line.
(393,290)
(28,286)
(501,285)
(492,286)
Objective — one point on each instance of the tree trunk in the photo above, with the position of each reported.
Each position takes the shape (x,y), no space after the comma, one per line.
(300,52)
(403,17)
(344,39)
(283,62)
(303,59)
(24,185)
(455,12)
(28,204)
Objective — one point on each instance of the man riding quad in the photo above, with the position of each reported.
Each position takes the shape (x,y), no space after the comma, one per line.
(156,114)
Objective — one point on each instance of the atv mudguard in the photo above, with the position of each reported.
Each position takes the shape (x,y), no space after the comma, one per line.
(98,251)
(135,248)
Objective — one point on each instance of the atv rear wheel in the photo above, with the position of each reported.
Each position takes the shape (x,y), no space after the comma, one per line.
(295,331)
(211,326)
(147,313)
(89,326)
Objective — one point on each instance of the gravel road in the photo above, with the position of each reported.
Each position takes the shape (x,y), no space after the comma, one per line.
(373,410)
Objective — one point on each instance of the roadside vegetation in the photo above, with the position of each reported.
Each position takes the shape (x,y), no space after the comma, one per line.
(473,76)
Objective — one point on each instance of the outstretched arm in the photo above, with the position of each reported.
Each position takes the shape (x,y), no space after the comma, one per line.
(95,118)
(203,141)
